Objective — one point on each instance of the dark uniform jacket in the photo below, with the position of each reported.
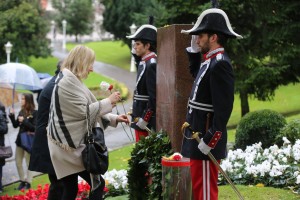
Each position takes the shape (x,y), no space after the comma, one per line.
(40,160)
(144,98)
(210,103)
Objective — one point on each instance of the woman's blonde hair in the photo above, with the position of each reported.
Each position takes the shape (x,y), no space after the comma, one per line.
(79,60)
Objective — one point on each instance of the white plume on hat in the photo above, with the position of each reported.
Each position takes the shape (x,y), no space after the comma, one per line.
(205,23)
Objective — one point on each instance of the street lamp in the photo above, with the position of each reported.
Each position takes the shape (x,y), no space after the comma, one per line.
(64,23)
(100,26)
(132,65)
(53,33)
(8,47)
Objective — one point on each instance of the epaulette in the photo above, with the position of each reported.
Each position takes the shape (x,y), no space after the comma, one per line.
(219,57)
(153,60)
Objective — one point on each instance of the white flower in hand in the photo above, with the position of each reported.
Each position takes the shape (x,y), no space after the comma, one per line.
(104,86)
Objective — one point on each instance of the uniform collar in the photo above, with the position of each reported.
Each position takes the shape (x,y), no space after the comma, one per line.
(149,56)
(213,53)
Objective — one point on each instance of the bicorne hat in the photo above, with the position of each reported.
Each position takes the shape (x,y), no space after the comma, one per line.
(213,20)
(145,32)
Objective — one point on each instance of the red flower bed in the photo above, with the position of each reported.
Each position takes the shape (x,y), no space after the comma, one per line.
(41,193)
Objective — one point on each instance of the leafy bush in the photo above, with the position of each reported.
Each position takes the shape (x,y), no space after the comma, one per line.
(291,131)
(259,126)
(145,171)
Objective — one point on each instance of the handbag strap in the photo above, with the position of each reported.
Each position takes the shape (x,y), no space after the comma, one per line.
(89,124)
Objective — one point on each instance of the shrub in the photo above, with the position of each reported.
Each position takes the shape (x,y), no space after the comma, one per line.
(291,131)
(145,171)
(259,126)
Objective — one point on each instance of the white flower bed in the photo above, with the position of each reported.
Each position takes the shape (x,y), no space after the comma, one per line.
(118,179)
(276,167)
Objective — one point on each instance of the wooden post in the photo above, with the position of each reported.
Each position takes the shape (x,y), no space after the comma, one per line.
(174,81)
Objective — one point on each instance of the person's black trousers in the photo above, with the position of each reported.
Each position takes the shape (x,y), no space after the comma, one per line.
(70,186)
(56,188)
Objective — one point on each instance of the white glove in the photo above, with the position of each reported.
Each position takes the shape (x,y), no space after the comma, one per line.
(194,46)
(142,124)
(204,148)
(133,51)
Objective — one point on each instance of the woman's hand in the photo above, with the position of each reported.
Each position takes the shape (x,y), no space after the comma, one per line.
(20,119)
(114,98)
(123,118)
(11,112)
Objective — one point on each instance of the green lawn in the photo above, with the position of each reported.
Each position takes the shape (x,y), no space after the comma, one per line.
(118,158)
(248,192)
(286,101)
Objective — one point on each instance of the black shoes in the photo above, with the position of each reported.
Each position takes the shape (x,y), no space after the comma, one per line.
(27,186)
(23,185)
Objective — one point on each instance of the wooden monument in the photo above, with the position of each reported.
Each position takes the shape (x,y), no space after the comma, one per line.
(174,81)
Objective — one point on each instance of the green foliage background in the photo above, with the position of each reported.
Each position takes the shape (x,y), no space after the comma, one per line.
(22,23)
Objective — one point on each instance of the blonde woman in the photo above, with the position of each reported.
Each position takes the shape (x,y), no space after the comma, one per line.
(68,121)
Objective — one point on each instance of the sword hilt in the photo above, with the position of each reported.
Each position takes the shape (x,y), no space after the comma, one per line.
(195,134)
(146,128)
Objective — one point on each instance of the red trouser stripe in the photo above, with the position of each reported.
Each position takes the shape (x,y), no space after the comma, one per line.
(204,179)
(140,134)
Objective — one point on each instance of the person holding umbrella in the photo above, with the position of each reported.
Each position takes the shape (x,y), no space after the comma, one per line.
(25,121)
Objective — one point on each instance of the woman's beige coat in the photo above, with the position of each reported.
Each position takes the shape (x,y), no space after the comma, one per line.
(68,122)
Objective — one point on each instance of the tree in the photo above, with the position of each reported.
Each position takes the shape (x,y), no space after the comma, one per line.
(79,15)
(118,16)
(267,57)
(22,24)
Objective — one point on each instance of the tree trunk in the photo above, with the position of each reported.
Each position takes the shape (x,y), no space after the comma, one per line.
(244,103)
(76,38)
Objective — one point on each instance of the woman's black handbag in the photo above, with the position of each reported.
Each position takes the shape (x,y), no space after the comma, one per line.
(95,154)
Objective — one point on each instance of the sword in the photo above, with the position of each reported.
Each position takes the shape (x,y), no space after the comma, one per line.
(195,135)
